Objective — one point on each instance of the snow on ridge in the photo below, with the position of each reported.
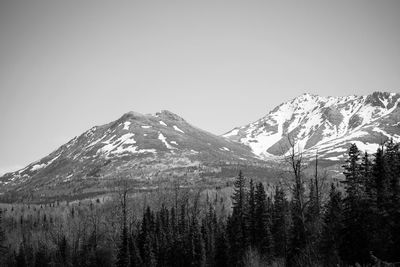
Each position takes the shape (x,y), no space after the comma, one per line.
(95,142)
(163,123)
(38,167)
(232,133)
(126,139)
(164,140)
(126,125)
(177,129)
(41,166)
(305,117)
(145,126)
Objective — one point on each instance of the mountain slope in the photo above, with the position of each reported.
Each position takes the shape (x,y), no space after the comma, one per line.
(156,149)
(324,124)
(145,147)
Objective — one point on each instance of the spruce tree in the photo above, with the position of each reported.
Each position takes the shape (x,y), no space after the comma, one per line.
(146,239)
(237,223)
(221,257)
(332,228)
(134,254)
(41,258)
(356,236)
(197,252)
(3,248)
(280,223)
(20,259)
(263,237)
(122,254)
(251,216)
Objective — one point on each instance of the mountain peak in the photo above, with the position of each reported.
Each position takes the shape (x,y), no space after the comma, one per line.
(326,124)
(382,99)
(169,115)
(132,114)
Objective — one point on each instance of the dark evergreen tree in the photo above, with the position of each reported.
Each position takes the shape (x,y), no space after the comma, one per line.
(251,216)
(20,258)
(280,223)
(221,250)
(3,248)
(134,254)
(298,232)
(122,254)
(263,236)
(356,244)
(237,223)
(209,229)
(332,228)
(197,252)
(41,257)
(146,239)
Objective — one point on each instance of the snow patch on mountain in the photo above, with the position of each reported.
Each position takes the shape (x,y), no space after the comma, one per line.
(323,124)
(43,165)
(126,125)
(177,129)
(164,140)
(116,146)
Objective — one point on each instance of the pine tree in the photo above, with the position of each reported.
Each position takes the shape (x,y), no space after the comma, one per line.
(352,173)
(41,259)
(146,239)
(197,252)
(251,216)
(381,182)
(263,238)
(298,234)
(208,230)
(332,228)
(134,254)
(20,257)
(122,255)
(366,173)
(239,197)
(63,251)
(280,223)
(237,228)
(3,248)
(221,249)
(356,235)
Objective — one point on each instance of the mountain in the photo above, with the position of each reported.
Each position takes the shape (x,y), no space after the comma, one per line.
(326,125)
(157,149)
(148,148)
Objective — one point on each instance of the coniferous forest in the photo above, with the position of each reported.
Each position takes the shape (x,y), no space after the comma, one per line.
(355,222)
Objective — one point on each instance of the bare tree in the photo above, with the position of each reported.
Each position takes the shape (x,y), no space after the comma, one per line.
(295,159)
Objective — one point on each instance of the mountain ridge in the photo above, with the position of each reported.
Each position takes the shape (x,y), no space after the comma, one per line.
(164,146)
(307,119)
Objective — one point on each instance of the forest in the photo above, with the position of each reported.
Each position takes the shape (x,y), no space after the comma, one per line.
(352,223)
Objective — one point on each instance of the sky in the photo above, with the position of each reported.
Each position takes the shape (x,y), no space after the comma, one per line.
(66,66)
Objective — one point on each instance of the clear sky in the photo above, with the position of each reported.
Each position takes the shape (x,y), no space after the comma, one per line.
(66,66)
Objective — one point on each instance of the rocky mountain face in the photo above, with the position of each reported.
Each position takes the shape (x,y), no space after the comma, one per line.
(326,125)
(158,148)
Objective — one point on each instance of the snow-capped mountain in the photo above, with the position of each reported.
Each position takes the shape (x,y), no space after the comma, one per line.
(157,148)
(146,147)
(324,124)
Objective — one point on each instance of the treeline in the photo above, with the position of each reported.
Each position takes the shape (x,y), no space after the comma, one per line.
(357,223)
